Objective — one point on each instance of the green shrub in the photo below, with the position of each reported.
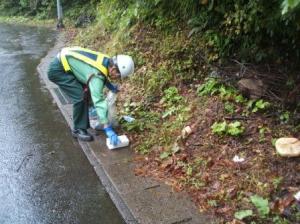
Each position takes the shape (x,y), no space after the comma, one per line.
(248,30)
(232,129)
(209,87)
(171,96)
(229,107)
(261,204)
(157,80)
(173,102)
(258,105)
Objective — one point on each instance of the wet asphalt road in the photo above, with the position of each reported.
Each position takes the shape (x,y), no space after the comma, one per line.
(44,175)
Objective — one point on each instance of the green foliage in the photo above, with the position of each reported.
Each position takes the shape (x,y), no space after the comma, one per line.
(188,169)
(192,178)
(228,93)
(261,105)
(212,203)
(172,102)
(144,119)
(156,81)
(229,107)
(258,105)
(243,214)
(232,129)
(147,144)
(219,128)
(171,96)
(261,204)
(277,181)
(46,9)
(209,87)
(123,14)
(239,99)
(164,155)
(284,117)
(235,128)
(273,141)
(247,30)
(280,220)
(120,17)
(262,131)
(289,5)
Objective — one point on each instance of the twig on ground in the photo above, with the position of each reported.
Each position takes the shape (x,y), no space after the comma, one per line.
(26,158)
(243,67)
(274,96)
(238,118)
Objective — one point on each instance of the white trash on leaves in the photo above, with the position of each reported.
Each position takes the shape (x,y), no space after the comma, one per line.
(186,132)
(238,159)
(124,141)
(297,196)
(128,118)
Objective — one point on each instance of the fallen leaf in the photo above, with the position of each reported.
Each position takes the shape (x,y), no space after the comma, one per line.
(223,210)
(231,192)
(243,214)
(167,163)
(139,172)
(216,185)
(235,221)
(281,204)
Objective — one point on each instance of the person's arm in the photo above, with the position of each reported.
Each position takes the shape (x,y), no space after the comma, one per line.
(112,87)
(96,86)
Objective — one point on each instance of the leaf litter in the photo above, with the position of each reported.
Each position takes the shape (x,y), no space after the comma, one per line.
(219,185)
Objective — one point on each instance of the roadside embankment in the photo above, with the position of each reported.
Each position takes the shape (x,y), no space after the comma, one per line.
(139,200)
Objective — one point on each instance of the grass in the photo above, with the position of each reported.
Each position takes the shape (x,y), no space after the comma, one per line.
(27,21)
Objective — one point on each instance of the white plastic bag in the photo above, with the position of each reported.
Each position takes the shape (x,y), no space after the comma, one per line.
(93,117)
(111,103)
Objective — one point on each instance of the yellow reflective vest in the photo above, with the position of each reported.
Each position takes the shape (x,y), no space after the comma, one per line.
(93,58)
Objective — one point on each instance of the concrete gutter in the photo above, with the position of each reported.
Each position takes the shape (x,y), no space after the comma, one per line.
(139,200)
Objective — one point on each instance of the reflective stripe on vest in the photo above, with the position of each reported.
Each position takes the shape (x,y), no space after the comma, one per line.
(93,58)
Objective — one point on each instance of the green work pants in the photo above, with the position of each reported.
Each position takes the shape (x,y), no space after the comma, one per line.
(68,83)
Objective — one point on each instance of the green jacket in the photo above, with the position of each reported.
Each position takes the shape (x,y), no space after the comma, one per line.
(82,71)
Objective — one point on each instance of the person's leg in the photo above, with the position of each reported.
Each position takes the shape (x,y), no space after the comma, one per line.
(68,83)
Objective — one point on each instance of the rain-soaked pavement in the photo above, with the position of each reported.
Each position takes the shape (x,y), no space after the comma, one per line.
(44,175)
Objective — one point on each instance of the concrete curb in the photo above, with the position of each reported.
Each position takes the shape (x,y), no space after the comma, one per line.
(139,200)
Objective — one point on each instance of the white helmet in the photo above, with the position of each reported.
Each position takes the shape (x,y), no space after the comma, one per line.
(125,64)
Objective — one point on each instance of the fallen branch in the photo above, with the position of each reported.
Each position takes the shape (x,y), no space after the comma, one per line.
(238,118)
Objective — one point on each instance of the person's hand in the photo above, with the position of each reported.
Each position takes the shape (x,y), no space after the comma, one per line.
(113,87)
(113,137)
